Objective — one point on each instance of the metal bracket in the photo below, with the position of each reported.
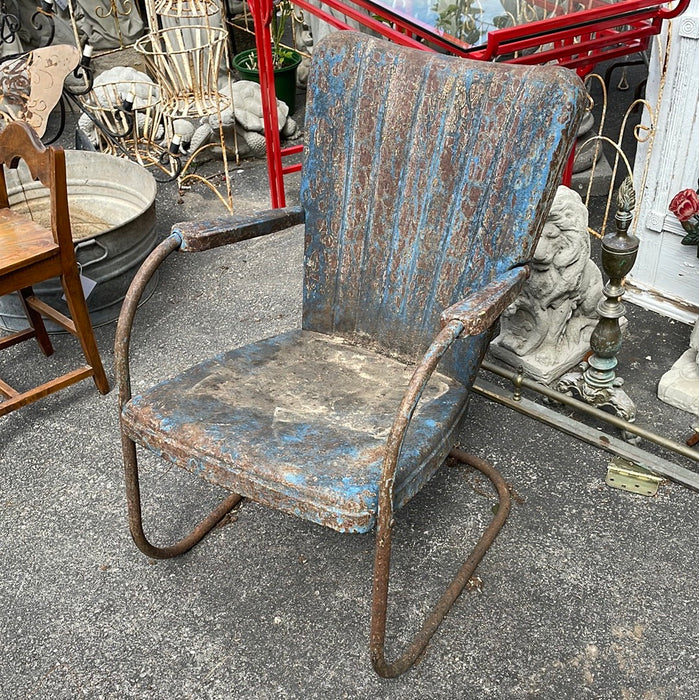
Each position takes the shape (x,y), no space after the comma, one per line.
(627,475)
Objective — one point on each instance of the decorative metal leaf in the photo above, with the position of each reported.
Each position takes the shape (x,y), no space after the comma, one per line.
(626,196)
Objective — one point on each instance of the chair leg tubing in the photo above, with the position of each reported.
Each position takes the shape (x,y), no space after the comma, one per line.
(444,604)
(133,497)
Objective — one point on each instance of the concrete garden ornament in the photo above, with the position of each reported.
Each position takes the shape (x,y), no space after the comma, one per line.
(244,119)
(680,386)
(547,329)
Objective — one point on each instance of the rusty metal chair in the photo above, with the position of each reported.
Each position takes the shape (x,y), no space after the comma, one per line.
(34,251)
(425,184)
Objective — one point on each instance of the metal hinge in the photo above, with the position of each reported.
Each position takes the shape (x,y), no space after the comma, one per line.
(627,475)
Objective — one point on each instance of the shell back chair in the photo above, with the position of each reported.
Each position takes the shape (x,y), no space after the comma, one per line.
(426,181)
(32,252)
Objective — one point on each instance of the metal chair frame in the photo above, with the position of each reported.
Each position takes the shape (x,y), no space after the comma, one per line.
(469,320)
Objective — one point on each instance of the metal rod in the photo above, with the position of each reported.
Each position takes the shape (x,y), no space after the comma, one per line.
(583,432)
(617,422)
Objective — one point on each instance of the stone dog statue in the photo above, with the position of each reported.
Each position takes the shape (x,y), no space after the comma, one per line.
(547,329)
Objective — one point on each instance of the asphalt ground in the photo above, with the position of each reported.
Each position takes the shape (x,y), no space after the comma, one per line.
(588,592)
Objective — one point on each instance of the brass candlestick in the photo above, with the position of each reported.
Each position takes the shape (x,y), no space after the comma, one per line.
(595,382)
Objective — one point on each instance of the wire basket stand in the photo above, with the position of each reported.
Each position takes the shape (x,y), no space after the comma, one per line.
(129,123)
(185,52)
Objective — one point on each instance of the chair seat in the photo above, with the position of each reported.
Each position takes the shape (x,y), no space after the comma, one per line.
(23,241)
(299,422)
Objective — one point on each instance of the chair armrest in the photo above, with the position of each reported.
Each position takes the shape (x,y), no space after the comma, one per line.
(191,237)
(122,339)
(478,311)
(471,316)
(211,233)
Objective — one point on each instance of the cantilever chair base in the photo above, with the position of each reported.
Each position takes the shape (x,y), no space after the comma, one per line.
(439,610)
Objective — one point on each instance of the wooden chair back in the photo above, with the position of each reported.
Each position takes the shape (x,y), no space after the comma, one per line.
(31,253)
(18,141)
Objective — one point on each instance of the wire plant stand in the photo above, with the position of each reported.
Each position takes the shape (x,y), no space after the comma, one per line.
(129,122)
(185,57)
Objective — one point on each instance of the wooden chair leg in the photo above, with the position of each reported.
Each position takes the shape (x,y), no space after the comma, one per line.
(36,322)
(83,327)
(444,604)
(133,499)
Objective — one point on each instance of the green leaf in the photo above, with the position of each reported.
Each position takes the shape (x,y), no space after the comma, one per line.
(692,238)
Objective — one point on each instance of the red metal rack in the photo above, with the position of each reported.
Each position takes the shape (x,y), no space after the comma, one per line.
(578,37)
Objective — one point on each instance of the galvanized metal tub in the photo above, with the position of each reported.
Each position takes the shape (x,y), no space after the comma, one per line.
(112,211)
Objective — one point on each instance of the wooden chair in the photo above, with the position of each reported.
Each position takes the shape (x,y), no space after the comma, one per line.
(426,181)
(31,253)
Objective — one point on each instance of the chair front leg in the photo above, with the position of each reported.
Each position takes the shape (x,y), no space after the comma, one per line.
(385,522)
(133,499)
(382,566)
(121,361)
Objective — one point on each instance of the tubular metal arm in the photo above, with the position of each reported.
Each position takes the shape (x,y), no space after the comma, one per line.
(472,316)
(190,237)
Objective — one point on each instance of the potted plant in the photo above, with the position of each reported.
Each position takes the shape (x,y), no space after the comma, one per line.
(285,61)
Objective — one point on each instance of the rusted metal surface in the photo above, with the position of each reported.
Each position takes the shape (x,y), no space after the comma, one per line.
(395,455)
(123,373)
(448,598)
(478,312)
(443,171)
(299,422)
(211,233)
(128,312)
(425,185)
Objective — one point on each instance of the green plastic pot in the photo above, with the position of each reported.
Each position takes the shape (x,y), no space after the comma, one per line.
(284,77)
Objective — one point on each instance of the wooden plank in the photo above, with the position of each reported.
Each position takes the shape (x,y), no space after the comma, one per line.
(7,390)
(18,337)
(49,312)
(39,392)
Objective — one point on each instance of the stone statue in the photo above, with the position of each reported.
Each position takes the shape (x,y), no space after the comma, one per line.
(547,329)
(303,41)
(244,116)
(679,387)
(246,119)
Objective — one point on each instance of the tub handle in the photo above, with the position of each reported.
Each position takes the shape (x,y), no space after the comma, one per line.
(87,244)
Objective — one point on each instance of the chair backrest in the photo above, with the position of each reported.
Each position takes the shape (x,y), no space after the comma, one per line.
(18,141)
(424,177)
